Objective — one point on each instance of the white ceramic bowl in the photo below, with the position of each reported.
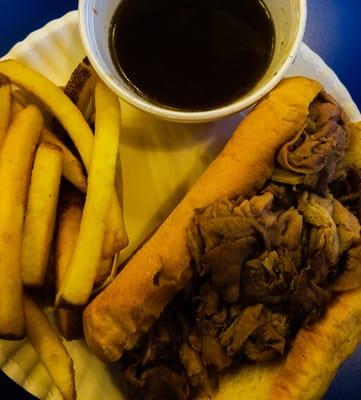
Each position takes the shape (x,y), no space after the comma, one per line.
(289,17)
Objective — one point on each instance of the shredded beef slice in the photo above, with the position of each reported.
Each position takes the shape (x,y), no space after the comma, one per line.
(318,212)
(227,235)
(257,333)
(267,279)
(310,293)
(348,226)
(317,151)
(191,360)
(162,382)
(269,340)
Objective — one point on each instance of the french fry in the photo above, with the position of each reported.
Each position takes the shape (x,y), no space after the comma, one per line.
(16,158)
(40,214)
(74,123)
(68,230)
(123,237)
(80,276)
(115,239)
(72,168)
(69,320)
(50,349)
(15,107)
(5,102)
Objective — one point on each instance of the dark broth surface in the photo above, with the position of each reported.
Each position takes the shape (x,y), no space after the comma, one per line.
(192,54)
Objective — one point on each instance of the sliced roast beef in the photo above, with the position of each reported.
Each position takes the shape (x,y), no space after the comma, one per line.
(316,153)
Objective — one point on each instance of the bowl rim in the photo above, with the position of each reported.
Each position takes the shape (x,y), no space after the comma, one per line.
(191,116)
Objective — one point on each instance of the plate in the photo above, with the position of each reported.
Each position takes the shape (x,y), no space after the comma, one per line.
(160,161)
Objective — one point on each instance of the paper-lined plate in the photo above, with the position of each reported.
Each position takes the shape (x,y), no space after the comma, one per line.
(160,162)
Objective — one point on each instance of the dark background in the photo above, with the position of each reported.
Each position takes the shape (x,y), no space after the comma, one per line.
(333,31)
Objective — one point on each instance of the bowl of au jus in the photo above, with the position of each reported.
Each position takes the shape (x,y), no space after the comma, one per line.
(192,60)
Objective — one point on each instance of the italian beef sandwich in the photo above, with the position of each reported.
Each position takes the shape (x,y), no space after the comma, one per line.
(251,288)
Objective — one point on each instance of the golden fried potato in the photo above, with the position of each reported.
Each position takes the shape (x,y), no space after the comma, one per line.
(16,159)
(115,239)
(40,213)
(50,349)
(80,276)
(69,320)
